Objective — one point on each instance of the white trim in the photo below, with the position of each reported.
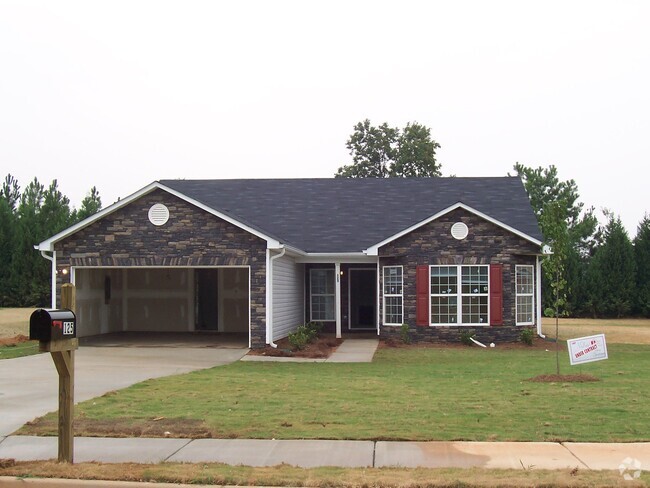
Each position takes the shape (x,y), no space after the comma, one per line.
(332,258)
(337,295)
(459,295)
(48,244)
(379,317)
(350,299)
(383,271)
(538,298)
(373,250)
(311,295)
(531,294)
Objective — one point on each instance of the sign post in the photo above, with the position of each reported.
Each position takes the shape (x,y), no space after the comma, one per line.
(56,332)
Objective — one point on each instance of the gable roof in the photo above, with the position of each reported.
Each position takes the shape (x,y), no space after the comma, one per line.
(338,215)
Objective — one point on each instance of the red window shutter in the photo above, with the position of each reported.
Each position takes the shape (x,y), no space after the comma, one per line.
(496,294)
(422,295)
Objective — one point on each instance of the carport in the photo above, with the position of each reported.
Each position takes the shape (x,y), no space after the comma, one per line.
(162,303)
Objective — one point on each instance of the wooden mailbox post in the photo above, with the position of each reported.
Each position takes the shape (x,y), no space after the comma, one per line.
(62,349)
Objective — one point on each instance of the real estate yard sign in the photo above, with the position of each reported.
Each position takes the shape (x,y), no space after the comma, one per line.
(587,349)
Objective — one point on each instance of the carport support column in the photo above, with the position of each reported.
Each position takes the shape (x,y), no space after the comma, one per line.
(337,288)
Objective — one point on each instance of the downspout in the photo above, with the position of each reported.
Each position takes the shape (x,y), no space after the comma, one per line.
(51,259)
(538,283)
(269,303)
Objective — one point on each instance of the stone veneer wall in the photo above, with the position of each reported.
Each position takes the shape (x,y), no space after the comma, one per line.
(191,238)
(432,244)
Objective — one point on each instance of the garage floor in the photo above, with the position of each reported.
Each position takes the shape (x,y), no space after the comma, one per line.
(167,339)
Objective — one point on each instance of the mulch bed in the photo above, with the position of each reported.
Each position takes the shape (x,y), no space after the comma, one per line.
(538,345)
(321,348)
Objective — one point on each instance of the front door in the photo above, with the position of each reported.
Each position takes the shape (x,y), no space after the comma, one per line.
(363,299)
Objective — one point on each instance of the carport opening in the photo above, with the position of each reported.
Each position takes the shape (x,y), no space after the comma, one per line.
(162,301)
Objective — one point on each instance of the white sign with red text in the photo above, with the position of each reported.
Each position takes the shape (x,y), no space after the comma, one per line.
(587,349)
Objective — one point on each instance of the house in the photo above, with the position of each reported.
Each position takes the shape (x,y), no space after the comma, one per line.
(262,256)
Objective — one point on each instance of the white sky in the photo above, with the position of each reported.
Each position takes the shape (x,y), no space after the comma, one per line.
(118,94)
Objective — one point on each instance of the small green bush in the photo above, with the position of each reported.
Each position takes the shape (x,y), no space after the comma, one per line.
(304,335)
(404,334)
(466,337)
(526,336)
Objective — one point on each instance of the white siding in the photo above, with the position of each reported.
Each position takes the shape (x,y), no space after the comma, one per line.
(288,296)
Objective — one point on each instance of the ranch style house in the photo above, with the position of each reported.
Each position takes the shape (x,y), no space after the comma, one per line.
(262,256)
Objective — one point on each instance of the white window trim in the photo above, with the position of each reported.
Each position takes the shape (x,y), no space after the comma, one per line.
(401,295)
(459,296)
(312,295)
(518,294)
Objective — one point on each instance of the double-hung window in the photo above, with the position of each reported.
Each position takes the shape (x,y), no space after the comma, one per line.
(322,295)
(393,297)
(525,286)
(459,295)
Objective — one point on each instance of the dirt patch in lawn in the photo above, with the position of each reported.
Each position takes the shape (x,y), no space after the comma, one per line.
(123,427)
(321,348)
(12,341)
(563,378)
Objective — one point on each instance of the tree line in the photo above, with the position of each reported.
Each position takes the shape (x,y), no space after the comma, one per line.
(27,217)
(594,270)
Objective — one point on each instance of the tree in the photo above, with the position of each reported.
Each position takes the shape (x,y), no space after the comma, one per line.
(554,219)
(546,191)
(9,195)
(90,205)
(642,260)
(613,272)
(381,152)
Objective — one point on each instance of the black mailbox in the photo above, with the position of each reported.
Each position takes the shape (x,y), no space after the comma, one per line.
(52,325)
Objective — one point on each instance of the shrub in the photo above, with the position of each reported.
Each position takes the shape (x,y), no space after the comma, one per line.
(466,337)
(404,334)
(527,336)
(304,335)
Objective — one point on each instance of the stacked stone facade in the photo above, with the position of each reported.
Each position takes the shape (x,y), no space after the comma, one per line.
(433,244)
(191,238)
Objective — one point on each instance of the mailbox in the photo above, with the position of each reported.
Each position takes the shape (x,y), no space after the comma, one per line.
(52,325)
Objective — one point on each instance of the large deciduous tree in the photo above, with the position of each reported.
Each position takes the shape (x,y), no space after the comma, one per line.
(384,151)
(547,192)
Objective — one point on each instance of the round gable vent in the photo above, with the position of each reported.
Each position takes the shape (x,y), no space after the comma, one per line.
(459,230)
(158,214)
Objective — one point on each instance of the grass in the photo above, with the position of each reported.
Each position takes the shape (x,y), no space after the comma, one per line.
(14,321)
(620,331)
(220,474)
(405,394)
(12,351)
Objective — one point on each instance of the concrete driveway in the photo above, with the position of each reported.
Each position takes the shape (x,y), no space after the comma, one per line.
(29,385)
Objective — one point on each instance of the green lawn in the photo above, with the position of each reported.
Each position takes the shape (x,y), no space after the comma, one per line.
(19,350)
(414,394)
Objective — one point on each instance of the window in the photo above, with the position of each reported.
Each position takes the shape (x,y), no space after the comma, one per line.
(393,298)
(322,294)
(464,305)
(524,291)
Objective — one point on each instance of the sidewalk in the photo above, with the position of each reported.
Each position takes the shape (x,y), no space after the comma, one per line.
(350,454)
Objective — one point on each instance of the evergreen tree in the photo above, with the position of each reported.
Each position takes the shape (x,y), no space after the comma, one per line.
(642,259)
(90,205)
(613,272)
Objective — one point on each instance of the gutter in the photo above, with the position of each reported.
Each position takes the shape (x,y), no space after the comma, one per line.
(269,303)
(51,259)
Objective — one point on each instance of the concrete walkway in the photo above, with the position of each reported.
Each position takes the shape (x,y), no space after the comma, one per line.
(29,385)
(313,453)
(350,351)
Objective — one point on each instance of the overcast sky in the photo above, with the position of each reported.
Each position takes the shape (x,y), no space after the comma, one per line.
(118,94)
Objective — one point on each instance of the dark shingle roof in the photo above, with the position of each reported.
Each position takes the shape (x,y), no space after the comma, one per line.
(350,215)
